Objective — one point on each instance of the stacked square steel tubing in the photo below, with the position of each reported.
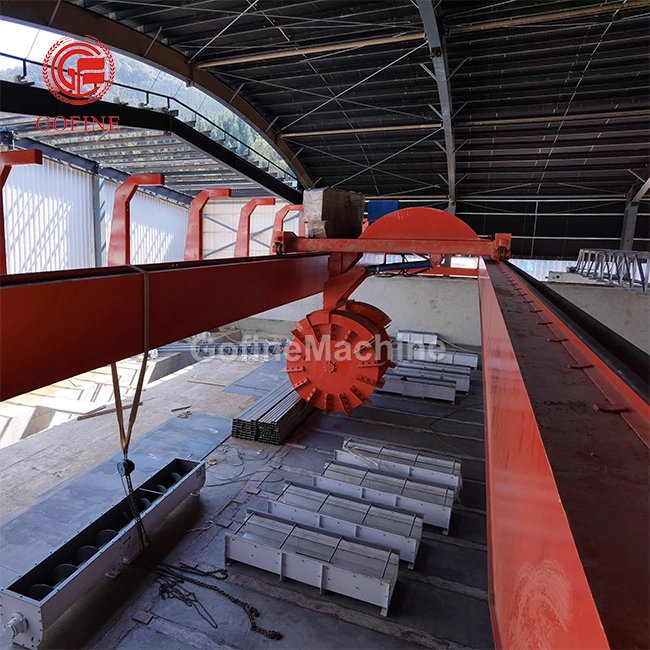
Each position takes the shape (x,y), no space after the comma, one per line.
(273,418)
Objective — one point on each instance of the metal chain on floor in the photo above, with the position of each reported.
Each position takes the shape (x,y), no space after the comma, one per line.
(169,577)
(172,576)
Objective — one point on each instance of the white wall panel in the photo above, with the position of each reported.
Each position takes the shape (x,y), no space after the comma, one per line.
(48,218)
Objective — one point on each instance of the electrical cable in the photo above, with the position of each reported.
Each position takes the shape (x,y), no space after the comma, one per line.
(453,345)
(239,478)
(443,417)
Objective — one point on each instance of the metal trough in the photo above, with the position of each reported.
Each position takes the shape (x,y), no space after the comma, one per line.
(38,598)
(432,501)
(418,387)
(402,462)
(328,561)
(391,527)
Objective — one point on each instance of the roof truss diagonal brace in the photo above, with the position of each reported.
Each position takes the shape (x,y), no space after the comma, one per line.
(634,196)
(439,73)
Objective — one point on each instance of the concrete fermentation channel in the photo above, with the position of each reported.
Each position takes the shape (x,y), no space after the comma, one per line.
(442,602)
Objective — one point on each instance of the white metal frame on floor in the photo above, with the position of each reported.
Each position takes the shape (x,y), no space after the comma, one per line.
(348,566)
(389,527)
(433,502)
(402,462)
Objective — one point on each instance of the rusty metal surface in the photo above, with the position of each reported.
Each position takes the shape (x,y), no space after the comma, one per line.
(615,390)
(539,594)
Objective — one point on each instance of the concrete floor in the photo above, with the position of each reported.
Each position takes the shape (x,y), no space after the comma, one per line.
(40,463)
(440,604)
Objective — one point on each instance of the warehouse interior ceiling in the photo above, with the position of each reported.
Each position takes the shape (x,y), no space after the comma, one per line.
(538,125)
(187,169)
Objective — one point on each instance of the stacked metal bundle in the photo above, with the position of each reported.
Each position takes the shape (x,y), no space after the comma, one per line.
(281,421)
(273,418)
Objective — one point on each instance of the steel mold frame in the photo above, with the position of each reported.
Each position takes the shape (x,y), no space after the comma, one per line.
(436,510)
(287,507)
(325,575)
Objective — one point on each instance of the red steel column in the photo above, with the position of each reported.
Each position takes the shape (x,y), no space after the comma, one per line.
(194,241)
(242,243)
(280,216)
(119,246)
(7,160)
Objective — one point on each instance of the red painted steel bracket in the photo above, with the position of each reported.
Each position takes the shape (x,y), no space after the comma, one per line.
(412,230)
(242,243)
(119,246)
(7,160)
(278,223)
(194,239)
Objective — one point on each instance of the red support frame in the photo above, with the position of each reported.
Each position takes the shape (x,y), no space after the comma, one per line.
(425,231)
(278,223)
(539,594)
(242,243)
(290,243)
(119,246)
(7,160)
(96,316)
(194,239)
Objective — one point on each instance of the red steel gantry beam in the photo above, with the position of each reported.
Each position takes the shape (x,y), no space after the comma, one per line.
(96,316)
(539,595)
(7,160)
(566,467)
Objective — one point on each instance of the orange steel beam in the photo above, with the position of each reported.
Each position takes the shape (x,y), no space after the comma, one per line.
(7,160)
(119,246)
(480,247)
(95,316)
(194,239)
(242,243)
(538,591)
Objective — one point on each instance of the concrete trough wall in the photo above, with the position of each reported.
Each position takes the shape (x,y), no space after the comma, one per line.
(447,306)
